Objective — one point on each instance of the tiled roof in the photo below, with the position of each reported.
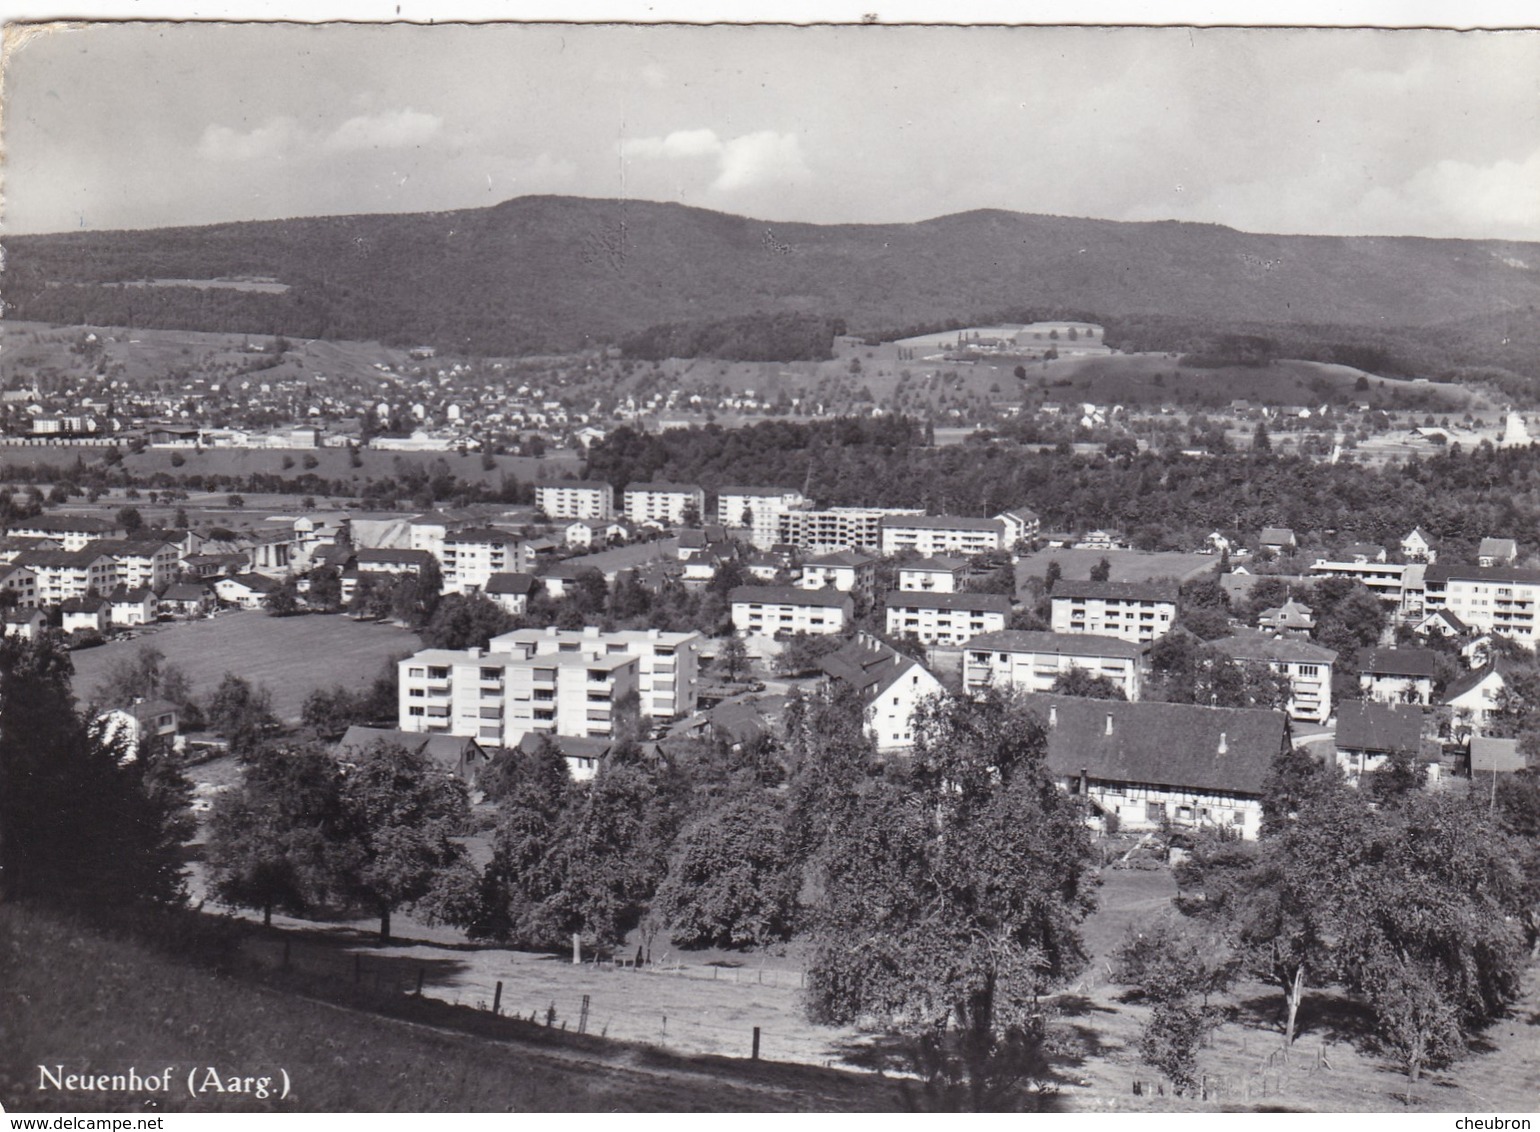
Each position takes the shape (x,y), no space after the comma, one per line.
(1363,726)
(918,599)
(941,523)
(1115,591)
(1069,644)
(1248,645)
(1443,572)
(1227,750)
(1397,662)
(790,595)
(510,583)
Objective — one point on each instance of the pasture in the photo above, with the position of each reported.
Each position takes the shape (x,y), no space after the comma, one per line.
(290,656)
(1127,565)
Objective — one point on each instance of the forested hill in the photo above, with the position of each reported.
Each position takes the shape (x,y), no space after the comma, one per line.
(1157,500)
(558,272)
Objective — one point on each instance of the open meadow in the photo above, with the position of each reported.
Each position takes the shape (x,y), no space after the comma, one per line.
(290,656)
(1127,565)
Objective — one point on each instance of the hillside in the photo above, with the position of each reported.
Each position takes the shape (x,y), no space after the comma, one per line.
(559,272)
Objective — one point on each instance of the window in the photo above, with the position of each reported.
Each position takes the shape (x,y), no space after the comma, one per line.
(416,709)
(1155,811)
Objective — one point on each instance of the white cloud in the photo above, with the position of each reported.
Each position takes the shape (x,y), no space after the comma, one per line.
(745,162)
(392,129)
(761,158)
(680,143)
(273,138)
(1503,196)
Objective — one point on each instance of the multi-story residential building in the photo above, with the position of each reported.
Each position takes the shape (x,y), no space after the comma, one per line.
(1307,667)
(1397,676)
(64,575)
(141,562)
(473,555)
(787,609)
(1021,526)
(942,534)
(1034,661)
(837,528)
(668,664)
(943,618)
(1488,599)
(575,499)
(427,532)
(71,532)
(1386,580)
(759,509)
(848,571)
(21,581)
(1134,611)
(1145,765)
(666,503)
(890,685)
(938,575)
(498,698)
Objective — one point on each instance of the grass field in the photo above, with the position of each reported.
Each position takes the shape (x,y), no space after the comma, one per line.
(1127,565)
(288,655)
(138,1008)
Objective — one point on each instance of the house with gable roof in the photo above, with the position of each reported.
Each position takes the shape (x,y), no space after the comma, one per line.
(890,684)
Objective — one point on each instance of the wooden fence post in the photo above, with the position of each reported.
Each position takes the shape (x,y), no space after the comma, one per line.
(755,1055)
(497,998)
(583,1017)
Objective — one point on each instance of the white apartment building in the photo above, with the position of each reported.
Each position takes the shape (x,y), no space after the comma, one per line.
(1135,611)
(786,609)
(62,575)
(945,618)
(1033,661)
(939,575)
(1021,525)
(21,581)
(838,528)
(470,557)
(1489,599)
(1306,666)
(141,562)
(759,509)
(71,532)
(668,664)
(575,499)
(498,698)
(427,532)
(1386,580)
(848,571)
(942,534)
(664,503)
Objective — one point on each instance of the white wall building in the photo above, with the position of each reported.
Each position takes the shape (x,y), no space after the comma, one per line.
(945,618)
(759,509)
(1134,611)
(1033,661)
(786,609)
(575,499)
(942,534)
(668,664)
(664,503)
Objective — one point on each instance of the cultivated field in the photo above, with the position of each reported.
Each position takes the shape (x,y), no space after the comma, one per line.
(290,656)
(1127,565)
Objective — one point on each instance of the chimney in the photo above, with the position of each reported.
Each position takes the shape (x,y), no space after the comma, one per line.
(1084,783)
(1224,746)
(1109,723)
(476,653)
(1053,715)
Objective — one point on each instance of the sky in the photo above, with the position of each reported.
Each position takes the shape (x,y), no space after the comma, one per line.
(1325,131)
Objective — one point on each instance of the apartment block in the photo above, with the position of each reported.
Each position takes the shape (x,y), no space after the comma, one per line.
(64,575)
(946,618)
(941,534)
(1133,611)
(787,609)
(759,509)
(498,698)
(838,528)
(575,499)
(470,558)
(848,571)
(665,503)
(1033,661)
(668,664)
(1489,599)
(141,562)
(939,575)
(1307,667)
